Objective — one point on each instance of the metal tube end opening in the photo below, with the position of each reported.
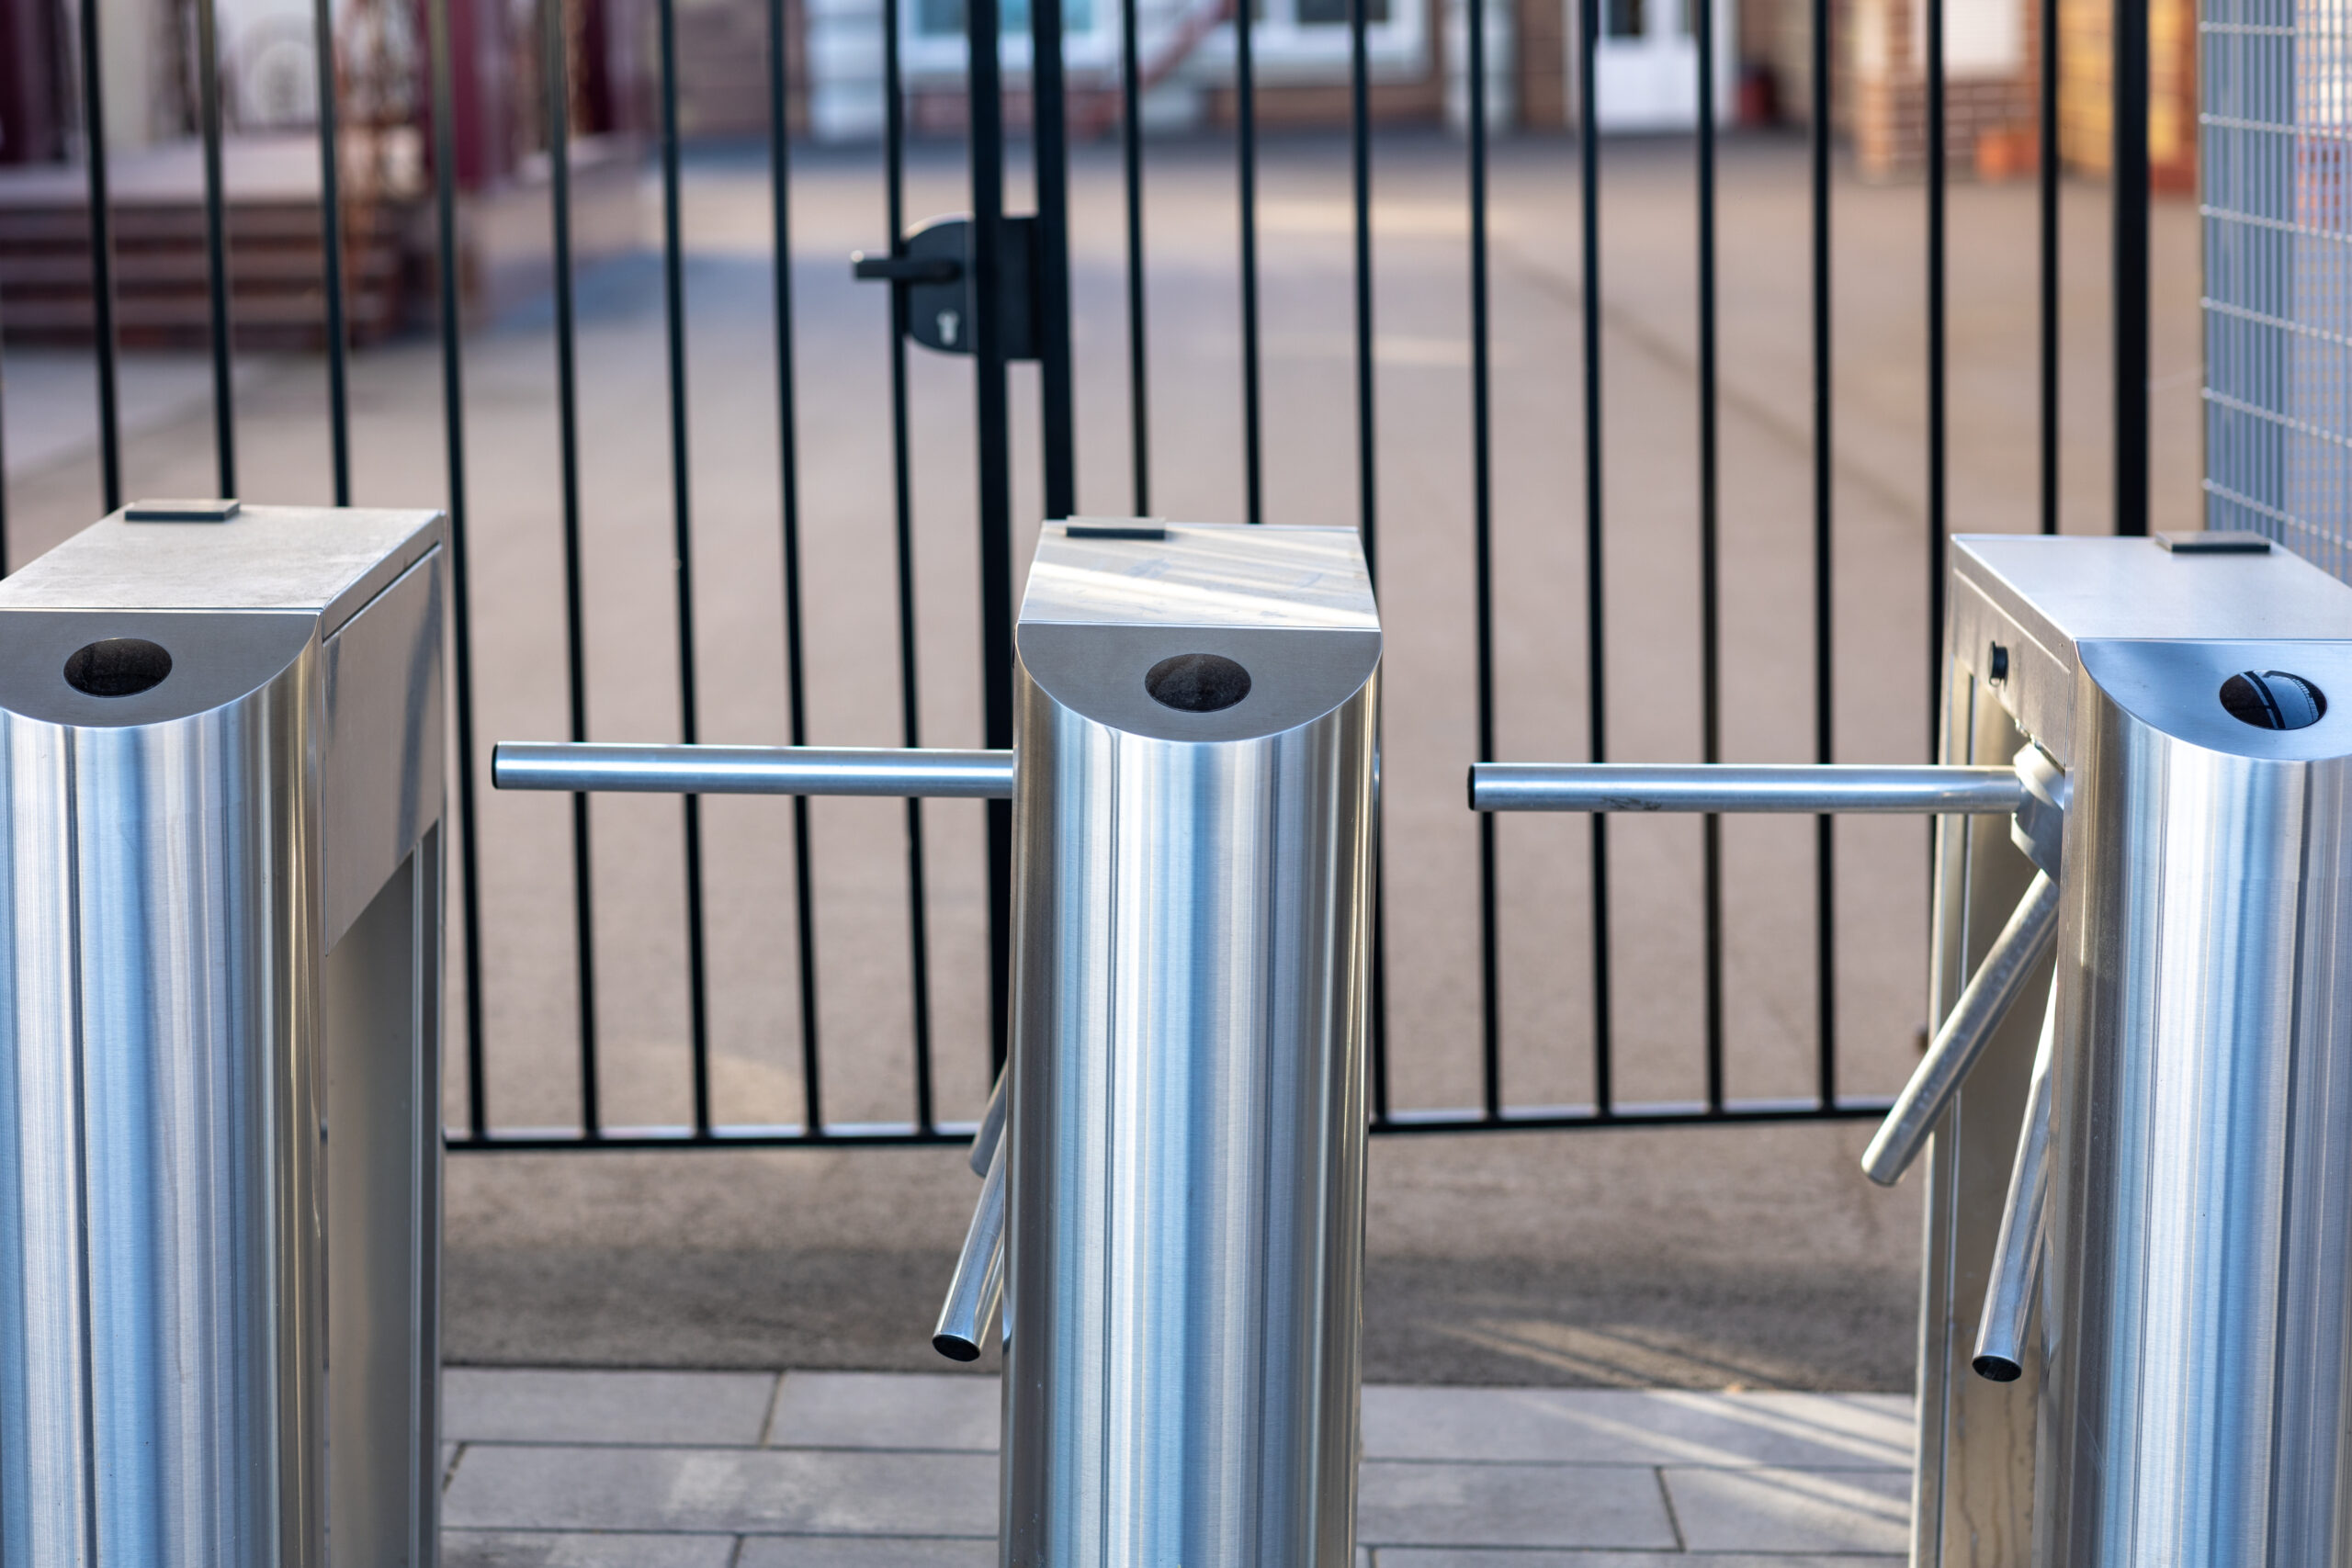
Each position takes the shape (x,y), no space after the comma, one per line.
(1992,1369)
(956,1347)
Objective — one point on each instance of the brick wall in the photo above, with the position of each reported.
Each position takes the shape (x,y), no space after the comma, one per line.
(2085,121)
(1542,62)
(1988,118)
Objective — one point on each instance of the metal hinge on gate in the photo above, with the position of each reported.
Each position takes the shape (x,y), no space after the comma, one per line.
(933,266)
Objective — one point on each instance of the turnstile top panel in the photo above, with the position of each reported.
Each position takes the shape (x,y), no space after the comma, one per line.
(328,562)
(2039,598)
(2069,590)
(1279,622)
(1200,574)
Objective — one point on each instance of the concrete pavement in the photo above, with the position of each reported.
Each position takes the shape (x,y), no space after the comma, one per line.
(701,1470)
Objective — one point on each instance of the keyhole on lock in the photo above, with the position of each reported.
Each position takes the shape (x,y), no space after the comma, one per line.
(948,321)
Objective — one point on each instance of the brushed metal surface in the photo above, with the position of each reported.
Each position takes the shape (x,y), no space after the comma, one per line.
(45,1480)
(2039,600)
(2000,978)
(1972,1496)
(2001,1330)
(978,1284)
(384,772)
(381,994)
(2195,1405)
(168,1213)
(1848,787)
(2039,596)
(161,975)
(753,770)
(1186,1128)
(326,561)
(1229,575)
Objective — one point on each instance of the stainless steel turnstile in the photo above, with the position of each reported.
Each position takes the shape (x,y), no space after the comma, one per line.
(1172,1212)
(2156,1157)
(220,797)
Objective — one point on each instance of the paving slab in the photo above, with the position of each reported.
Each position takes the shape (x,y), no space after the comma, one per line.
(526,1487)
(1465,1557)
(533,1405)
(863,1551)
(886,1410)
(486,1549)
(1511,1505)
(1792,1510)
(1614,1427)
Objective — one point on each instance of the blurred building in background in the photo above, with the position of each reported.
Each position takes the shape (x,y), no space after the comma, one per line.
(1646,69)
(1645,80)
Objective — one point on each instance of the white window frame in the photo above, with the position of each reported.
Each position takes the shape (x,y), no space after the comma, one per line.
(1284,50)
(931,56)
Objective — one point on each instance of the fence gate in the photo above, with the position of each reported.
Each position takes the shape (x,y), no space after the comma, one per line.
(996,286)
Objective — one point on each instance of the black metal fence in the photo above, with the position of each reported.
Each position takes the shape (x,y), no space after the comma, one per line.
(1050,305)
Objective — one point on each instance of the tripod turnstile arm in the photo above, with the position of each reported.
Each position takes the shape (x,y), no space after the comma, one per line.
(1966,1030)
(984,1141)
(753,770)
(1807,788)
(978,1287)
(2017,1256)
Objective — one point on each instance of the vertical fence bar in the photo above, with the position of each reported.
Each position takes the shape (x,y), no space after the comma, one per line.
(1367,466)
(894,158)
(804,892)
(673,310)
(1245,115)
(453,409)
(1595,596)
(2131,264)
(556,70)
(1131,159)
(1938,368)
(1049,149)
(1825,874)
(1710,728)
(1491,1028)
(981,20)
(4,462)
(2047,156)
(216,251)
(101,329)
(331,253)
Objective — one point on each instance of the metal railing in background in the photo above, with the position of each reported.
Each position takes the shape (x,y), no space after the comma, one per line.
(2277,211)
(987,261)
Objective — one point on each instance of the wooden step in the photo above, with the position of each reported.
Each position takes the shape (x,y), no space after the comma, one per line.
(162,274)
(180,223)
(165,270)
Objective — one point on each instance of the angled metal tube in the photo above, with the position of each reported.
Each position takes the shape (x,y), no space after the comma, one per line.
(753,770)
(978,1285)
(1727,787)
(2017,1256)
(1991,992)
(984,1141)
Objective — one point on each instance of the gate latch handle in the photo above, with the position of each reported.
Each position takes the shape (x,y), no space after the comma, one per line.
(905,269)
(930,274)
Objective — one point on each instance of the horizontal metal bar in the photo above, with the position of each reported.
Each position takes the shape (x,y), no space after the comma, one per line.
(753,770)
(1727,787)
(1447,1123)
(905,269)
(541,1140)
(1472,1120)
